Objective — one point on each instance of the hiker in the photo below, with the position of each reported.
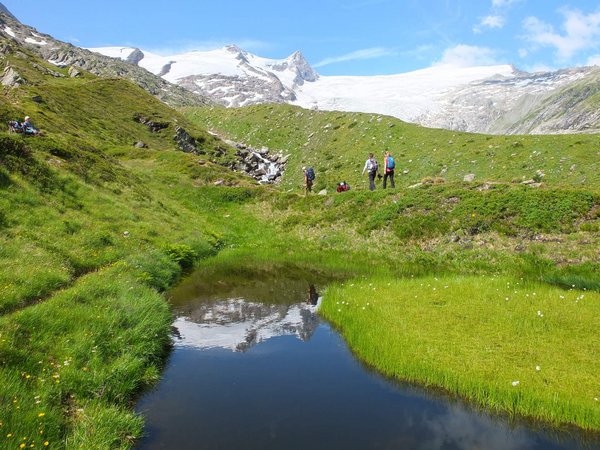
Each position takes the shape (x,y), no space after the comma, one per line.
(342,187)
(28,127)
(309,178)
(390,165)
(372,167)
(14,127)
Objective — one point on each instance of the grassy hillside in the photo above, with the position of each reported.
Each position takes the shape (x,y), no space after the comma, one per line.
(337,144)
(94,230)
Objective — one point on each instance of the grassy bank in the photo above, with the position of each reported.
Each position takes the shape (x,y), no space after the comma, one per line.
(94,229)
(509,346)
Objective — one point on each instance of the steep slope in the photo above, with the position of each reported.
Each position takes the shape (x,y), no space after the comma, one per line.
(92,228)
(571,108)
(66,55)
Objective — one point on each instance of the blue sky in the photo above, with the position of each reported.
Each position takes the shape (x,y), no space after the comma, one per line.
(352,37)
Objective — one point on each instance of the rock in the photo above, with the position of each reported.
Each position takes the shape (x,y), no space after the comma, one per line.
(201,162)
(135,57)
(469,178)
(219,183)
(153,126)
(12,78)
(323,192)
(140,144)
(75,72)
(186,142)
(415,185)
(37,99)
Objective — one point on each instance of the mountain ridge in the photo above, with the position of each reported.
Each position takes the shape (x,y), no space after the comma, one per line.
(487,99)
(62,54)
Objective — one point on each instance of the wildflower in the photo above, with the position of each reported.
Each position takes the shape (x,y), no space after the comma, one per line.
(41,414)
(46,443)
(515,383)
(538,368)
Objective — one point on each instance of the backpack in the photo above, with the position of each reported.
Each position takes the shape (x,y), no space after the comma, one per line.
(374,165)
(310,174)
(391,164)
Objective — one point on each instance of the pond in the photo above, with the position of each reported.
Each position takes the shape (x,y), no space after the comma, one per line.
(254,367)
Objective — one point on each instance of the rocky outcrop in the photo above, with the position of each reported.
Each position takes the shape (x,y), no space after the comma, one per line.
(74,72)
(63,54)
(11,78)
(187,143)
(153,125)
(135,57)
(263,165)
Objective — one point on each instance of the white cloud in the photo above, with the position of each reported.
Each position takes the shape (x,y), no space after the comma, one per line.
(468,56)
(494,21)
(523,52)
(367,53)
(581,32)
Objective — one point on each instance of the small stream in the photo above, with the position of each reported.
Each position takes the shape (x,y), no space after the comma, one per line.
(254,367)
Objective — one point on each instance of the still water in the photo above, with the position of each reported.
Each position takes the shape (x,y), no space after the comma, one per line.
(253,367)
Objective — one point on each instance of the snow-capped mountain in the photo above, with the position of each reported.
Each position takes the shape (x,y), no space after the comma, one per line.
(491,99)
(236,324)
(228,75)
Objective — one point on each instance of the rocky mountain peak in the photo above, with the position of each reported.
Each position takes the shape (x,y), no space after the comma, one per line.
(240,54)
(4,10)
(302,67)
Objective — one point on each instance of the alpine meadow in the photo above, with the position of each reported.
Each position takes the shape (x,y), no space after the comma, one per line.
(477,276)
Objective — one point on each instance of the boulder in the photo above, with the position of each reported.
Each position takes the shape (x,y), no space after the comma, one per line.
(12,78)
(469,178)
(75,72)
(323,192)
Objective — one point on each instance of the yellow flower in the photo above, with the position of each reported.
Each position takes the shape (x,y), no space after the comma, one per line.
(22,446)
(41,414)
(46,444)
(9,435)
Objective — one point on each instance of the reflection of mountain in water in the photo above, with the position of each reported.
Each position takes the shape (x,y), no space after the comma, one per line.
(238,325)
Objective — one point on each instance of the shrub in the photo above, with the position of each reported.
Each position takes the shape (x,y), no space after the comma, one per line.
(182,254)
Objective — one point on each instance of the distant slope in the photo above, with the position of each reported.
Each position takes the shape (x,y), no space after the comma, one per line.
(336,144)
(62,54)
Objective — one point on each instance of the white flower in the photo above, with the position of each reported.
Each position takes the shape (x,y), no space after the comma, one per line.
(538,368)
(515,383)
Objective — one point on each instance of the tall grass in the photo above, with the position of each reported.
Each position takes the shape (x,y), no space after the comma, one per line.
(508,345)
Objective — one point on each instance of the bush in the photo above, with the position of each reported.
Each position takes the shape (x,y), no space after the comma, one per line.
(182,254)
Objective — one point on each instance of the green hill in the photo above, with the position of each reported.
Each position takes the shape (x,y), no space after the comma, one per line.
(337,144)
(95,228)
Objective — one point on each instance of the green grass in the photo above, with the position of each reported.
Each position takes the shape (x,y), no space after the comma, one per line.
(336,144)
(93,230)
(507,345)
